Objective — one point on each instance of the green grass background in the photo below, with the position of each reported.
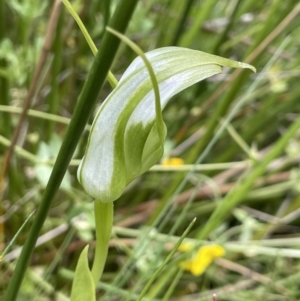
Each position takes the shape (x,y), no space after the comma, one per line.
(250,205)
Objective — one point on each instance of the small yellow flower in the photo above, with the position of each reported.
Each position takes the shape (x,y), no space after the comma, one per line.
(185,247)
(172,161)
(198,264)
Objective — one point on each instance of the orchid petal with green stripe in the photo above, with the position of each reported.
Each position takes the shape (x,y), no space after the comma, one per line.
(126,137)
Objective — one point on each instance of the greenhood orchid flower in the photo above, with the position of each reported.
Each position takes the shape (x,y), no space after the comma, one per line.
(127,135)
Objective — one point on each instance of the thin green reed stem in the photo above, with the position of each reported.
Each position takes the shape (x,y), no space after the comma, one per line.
(203,13)
(5,121)
(269,24)
(164,280)
(105,6)
(171,288)
(180,27)
(84,107)
(4,88)
(104,222)
(2,20)
(37,114)
(15,237)
(223,37)
(166,261)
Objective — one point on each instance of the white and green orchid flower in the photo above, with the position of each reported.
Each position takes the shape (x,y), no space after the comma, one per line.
(127,135)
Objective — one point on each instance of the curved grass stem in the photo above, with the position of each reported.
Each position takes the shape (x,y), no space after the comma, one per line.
(110,77)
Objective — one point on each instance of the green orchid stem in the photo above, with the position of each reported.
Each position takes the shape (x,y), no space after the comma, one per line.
(104,222)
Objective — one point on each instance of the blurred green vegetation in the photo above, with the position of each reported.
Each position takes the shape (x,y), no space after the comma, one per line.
(238,118)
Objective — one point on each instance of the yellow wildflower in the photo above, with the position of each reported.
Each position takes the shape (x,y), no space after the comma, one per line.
(172,161)
(185,247)
(198,264)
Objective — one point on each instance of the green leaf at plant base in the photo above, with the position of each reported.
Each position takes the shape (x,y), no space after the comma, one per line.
(125,138)
(83,288)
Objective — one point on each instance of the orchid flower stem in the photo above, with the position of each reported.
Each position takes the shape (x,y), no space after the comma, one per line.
(104,223)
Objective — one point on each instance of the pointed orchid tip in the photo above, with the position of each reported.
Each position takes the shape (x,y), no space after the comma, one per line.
(245,65)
